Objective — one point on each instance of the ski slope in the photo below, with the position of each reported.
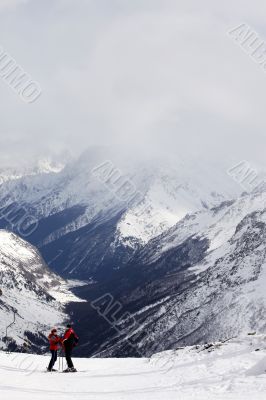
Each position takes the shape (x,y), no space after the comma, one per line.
(232,370)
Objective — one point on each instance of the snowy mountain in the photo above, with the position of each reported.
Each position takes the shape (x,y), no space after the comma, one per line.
(225,371)
(30,292)
(203,280)
(119,204)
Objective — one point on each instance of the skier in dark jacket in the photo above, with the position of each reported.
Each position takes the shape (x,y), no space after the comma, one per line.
(54,341)
(70,340)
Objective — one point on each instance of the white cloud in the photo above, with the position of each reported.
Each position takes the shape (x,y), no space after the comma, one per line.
(161,73)
(4,4)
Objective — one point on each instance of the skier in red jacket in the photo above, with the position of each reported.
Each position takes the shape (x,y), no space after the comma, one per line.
(69,341)
(54,341)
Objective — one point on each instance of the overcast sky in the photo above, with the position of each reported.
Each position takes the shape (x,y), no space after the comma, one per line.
(160,74)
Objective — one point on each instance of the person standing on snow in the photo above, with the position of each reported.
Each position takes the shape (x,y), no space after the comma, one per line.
(70,340)
(54,341)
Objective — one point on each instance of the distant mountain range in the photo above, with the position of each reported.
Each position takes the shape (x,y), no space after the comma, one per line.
(118,205)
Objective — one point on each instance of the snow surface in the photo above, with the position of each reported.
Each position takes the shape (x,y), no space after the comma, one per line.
(62,294)
(235,370)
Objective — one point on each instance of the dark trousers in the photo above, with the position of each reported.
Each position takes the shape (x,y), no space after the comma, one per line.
(53,359)
(68,352)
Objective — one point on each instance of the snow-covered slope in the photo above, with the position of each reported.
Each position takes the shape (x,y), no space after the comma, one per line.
(217,224)
(226,371)
(174,190)
(30,290)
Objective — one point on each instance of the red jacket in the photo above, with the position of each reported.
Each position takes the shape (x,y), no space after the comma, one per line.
(54,341)
(70,338)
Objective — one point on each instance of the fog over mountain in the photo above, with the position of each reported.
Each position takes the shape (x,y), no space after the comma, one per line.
(157,75)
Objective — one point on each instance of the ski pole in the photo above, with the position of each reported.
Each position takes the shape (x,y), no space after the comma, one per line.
(61,360)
